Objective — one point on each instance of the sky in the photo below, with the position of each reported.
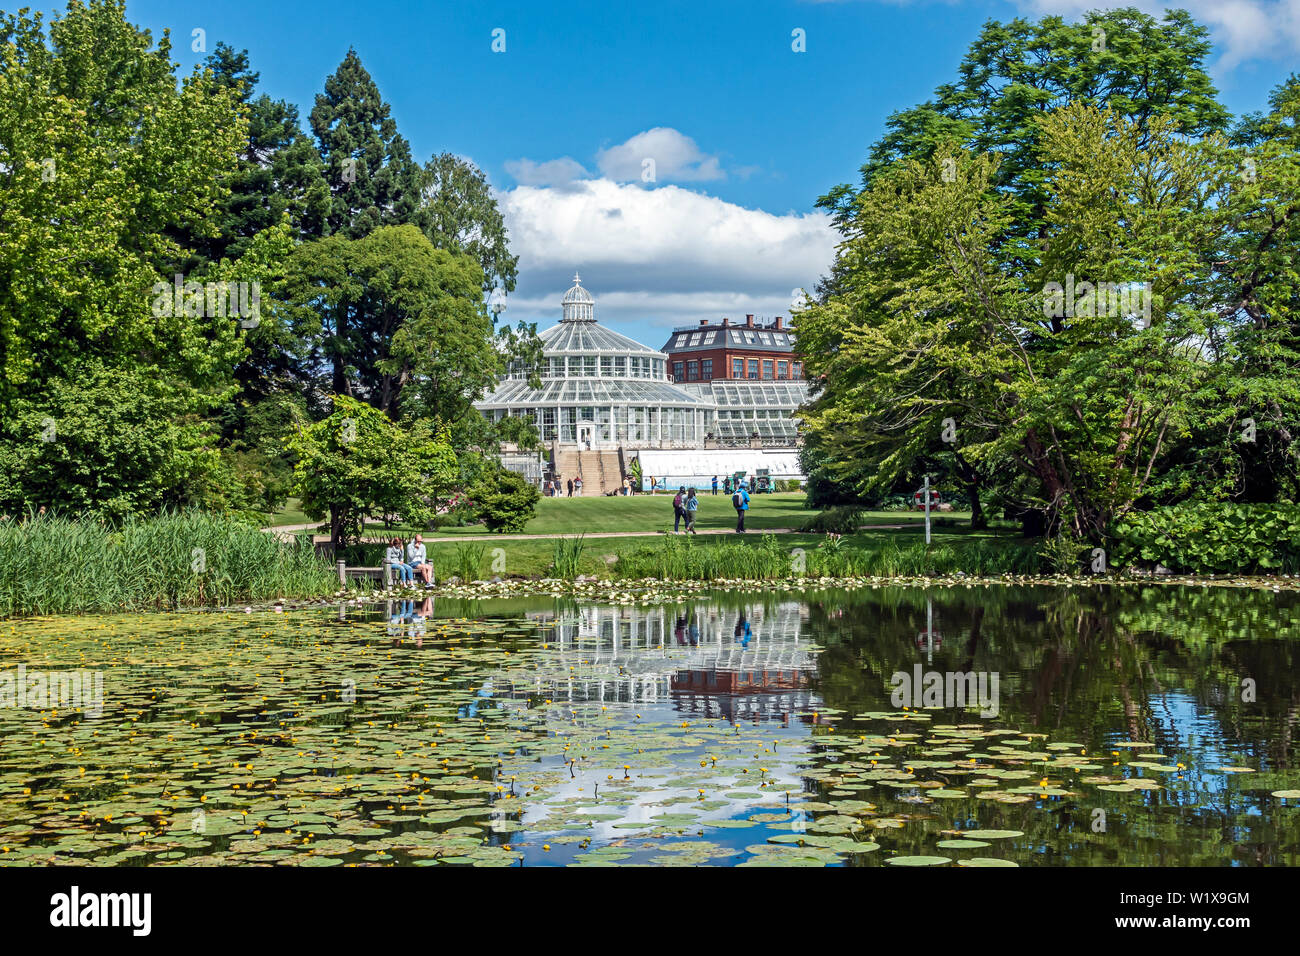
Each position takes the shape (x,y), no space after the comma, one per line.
(745,132)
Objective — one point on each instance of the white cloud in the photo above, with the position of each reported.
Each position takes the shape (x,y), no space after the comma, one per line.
(553,172)
(658,258)
(676,158)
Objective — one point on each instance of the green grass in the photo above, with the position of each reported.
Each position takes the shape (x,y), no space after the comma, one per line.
(56,565)
(602,515)
(535,557)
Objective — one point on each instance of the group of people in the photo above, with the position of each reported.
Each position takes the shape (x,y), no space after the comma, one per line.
(686,503)
(554,488)
(411,562)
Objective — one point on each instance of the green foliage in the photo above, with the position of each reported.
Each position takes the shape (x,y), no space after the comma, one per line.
(1062,553)
(685,559)
(56,565)
(95,189)
(842,519)
(1049,161)
(358,462)
(504,501)
(372,178)
(468,561)
(1212,537)
(567,557)
(459,213)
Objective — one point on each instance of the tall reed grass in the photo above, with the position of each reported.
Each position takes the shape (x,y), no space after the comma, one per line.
(56,565)
(468,561)
(682,559)
(567,557)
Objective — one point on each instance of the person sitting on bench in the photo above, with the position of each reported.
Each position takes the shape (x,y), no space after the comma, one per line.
(417,558)
(393,558)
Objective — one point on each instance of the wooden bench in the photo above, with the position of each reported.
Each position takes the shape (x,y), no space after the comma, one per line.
(384,573)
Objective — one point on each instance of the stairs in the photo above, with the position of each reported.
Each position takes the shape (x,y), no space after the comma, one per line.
(601,471)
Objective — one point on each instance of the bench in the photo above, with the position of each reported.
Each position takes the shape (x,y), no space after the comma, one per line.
(384,573)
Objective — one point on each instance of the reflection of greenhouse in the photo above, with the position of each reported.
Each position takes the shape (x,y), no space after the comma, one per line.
(747,661)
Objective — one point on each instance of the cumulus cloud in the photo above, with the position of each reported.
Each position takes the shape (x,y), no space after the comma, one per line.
(553,172)
(659,258)
(675,157)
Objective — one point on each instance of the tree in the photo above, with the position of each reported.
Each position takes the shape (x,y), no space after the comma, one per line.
(358,462)
(372,178)
(94,191)
(458,213)
(280,174)
(938,323)
(392,320)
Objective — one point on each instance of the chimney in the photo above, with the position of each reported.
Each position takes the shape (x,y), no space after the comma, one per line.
(725,322)
(779,326)
(704,322)
(749,320)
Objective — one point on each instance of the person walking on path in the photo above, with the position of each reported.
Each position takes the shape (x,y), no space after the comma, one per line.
(577,486)
(740,500)
(692,505)
(679,508)
(715,484)
(570,487)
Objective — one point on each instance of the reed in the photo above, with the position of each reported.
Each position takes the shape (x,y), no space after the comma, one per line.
(567,557)
(56,565)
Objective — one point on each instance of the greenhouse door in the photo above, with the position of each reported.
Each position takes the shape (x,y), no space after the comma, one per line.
(586,436)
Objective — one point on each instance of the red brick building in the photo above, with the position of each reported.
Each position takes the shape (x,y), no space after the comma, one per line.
(750,352)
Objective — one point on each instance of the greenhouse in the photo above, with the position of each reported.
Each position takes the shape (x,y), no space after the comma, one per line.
(600,388)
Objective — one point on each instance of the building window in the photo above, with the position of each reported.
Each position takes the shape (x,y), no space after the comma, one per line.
(798,369)
(692,371)
(767,368)
(620,366)
(782,369)
(706,369)
(589,366)
(753,368)
(575,366)
(677,371)
(606,366)
(737,368)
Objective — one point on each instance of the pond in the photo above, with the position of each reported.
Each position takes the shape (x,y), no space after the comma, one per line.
(894,726)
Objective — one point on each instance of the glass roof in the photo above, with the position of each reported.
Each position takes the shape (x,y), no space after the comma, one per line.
(590,337)
(590,391)
(726,393)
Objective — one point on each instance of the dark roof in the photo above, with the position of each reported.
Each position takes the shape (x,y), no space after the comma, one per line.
(731,336)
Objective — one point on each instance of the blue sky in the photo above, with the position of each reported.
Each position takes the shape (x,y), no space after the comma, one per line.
(746,133)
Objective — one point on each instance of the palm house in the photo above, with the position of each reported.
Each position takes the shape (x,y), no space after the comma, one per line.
(601,389)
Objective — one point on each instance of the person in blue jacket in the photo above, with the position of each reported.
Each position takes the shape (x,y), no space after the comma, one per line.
(740,500)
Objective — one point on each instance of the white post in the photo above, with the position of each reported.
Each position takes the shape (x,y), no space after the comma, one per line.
(926,492)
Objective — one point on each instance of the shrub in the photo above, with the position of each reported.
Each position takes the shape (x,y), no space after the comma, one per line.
(842,519)
(505,501)
(1212,537)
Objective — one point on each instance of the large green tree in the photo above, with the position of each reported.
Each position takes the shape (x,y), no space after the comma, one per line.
(372,178)
(104,159)
(459,213)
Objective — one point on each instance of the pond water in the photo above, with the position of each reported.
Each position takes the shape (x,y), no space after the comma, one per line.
(972,726)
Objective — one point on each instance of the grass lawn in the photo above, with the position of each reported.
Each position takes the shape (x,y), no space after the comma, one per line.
(533,556)
(595,515)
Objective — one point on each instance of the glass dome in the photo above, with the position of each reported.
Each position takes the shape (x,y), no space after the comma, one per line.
(600,388)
